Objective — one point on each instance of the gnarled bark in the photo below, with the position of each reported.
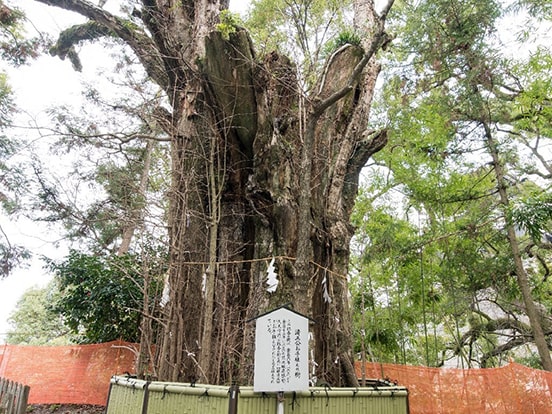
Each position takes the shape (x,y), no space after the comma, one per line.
(259,172)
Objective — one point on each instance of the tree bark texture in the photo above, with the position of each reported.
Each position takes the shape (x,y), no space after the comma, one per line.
(271,170)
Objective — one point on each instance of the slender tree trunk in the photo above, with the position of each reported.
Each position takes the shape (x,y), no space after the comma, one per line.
(522,279)
(145,358)
(210,272)
(137,212)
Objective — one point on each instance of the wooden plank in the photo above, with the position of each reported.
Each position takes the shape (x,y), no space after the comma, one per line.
(22,398)
(10,391)
(3,386)
(5,398)
(13,397)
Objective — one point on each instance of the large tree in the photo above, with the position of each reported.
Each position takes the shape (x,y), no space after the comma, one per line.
(263,168)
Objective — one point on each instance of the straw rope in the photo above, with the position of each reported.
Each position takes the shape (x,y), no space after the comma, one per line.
(266,259)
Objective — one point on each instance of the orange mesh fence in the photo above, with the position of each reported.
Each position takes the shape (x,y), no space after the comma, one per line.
(66,374)
(81,374)
(510,389)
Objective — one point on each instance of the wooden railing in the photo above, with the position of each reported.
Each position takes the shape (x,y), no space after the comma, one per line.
(133,396)
(13,397)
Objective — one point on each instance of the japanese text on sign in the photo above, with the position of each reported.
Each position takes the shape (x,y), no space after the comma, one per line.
(281,352)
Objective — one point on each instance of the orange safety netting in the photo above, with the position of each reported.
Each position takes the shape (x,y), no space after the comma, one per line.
(80,375)
(510,389)
(76,374)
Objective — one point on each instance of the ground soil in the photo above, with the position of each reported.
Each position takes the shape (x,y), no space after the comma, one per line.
(65,409)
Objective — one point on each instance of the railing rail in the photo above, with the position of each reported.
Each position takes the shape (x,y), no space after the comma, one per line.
(134,396)
(13,397)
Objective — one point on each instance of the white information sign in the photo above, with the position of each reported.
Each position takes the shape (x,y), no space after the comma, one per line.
(281,352)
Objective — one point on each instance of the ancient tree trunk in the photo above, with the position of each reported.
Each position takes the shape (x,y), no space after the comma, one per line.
(291,179)
(261,175)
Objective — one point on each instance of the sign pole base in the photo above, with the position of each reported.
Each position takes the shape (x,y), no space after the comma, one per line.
(280,402)
(233,399)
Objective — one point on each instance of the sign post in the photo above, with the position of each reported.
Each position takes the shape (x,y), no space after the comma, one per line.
(281,353)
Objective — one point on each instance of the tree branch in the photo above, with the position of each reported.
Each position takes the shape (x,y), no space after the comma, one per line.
(380,37)
(491,326)
(65,45)
(135,37)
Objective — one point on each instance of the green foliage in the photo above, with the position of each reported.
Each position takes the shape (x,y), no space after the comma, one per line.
(8,146)
(444,30)
(120,198)
(419,279)
(101,298)
(14,46)
(34,322)
(15,49)
(538,9)
(447,46)
(299,28)
(343,38)
(229,23)
(531,360)
(531,109)
(388,284)
(6,104)
(11,256)
(11,181)
(263,22)
(120,161)
(533,214)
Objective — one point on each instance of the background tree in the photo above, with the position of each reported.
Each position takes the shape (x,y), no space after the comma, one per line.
(305,31)
(100,299)
(34,322)
(114,185)
(455,148)
(16,49)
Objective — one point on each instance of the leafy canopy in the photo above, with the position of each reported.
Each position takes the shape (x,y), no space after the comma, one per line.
(101,297)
